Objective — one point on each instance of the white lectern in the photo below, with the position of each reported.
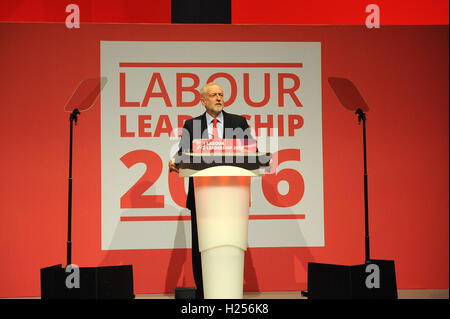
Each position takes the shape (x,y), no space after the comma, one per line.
(222,198)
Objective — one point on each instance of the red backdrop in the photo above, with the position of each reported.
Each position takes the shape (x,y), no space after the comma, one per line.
(402,72)
(398,12)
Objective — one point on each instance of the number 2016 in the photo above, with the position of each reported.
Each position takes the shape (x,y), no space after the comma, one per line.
(135,198)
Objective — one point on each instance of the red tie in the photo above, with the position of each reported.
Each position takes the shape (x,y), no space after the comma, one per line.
(215,131)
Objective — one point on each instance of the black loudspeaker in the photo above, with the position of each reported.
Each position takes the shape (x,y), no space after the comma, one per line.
(109,282)
(185,293)
(372,280)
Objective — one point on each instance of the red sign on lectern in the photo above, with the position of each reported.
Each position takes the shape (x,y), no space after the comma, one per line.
(223,146)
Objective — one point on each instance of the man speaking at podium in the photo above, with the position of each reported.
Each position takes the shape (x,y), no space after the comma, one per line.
(217,124)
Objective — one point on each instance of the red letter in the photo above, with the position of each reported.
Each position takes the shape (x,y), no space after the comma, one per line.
(181,89)
(134,197)
(159,126)
(294,122)
(143,125)
(122,93)
(280,125)
(269,124)
(156,77)
(232,84)
(123,127)
(266,91)
(295,180)
(291,91)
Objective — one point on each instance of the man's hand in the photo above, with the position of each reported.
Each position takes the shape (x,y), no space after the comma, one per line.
(172,166)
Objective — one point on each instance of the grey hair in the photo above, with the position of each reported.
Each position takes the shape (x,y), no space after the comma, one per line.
(203,90)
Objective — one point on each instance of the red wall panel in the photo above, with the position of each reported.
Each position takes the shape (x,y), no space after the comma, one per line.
(117,11)
(353,12)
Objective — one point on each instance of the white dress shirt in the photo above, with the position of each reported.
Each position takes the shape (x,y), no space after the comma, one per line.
(210,123)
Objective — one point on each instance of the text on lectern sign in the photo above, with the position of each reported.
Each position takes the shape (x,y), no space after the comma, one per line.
(223,146)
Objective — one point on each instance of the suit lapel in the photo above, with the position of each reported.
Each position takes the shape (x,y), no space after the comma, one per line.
(204,126)
(226,123)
